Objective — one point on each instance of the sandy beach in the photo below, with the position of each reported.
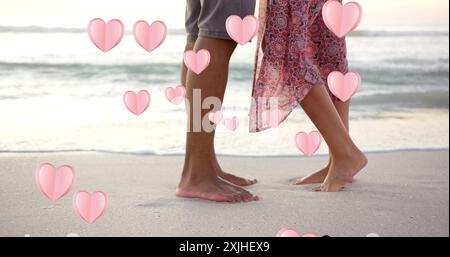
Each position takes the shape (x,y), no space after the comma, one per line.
(402,193)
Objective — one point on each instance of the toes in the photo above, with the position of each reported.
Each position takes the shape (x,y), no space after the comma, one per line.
(328,188)
(238,198)
(230,198)
(238,180)
(245,182)
(297,182)
(252,181)
(253,198)
(317,189)
(247,196)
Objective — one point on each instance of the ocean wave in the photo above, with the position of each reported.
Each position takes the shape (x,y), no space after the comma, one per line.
(393,72)
(399,33)
(431,99)
(40,29)
(224,154)
(404,77)
(180,31)
(88,71)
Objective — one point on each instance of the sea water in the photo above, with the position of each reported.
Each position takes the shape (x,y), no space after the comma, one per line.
(60,93)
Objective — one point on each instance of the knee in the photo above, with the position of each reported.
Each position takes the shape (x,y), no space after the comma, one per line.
(221,47)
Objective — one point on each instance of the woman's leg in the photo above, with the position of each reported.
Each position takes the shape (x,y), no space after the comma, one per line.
(200,173)
(346,158)
(319,176)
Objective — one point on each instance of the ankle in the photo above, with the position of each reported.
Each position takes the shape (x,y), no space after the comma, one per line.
(198,169)
(195,178)
(202,155)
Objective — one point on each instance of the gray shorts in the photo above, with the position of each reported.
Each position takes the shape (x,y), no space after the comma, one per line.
(206,18)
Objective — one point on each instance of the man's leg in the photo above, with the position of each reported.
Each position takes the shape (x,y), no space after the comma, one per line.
(239,181)
(319,176)
(347,159)
(200,173)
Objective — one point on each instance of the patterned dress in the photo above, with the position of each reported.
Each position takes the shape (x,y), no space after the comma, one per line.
(296,51)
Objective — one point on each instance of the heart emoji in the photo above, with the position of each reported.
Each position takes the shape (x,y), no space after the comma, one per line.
(231,123)
(197,62)
(105,36)
(242,30)
(273,117)
(287,232)
(148,36)
(175,95)
(54,183)
(137,103)
(308,143)
(90,206)
(215,117)
(344,86)
(341,19)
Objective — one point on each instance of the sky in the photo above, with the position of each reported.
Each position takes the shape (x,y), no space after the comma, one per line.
(62,13)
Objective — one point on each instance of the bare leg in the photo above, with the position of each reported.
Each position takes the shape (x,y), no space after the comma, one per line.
(200,178)
(319,176)
(222,174)
(346,158)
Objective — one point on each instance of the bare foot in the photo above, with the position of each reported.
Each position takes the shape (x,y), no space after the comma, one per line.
(246,196)
(342,171)
(239,181)
(213,189)
(314,178)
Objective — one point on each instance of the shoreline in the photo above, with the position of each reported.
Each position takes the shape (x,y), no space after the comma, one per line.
(299,155)
(165,135)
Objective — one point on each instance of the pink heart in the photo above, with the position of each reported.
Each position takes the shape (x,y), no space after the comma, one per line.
(273,117)
(90,207)
(344,86)
(175,95)
(215,117)
(308,143)
(148,36)
(341,19)
(287,232)
(105,36)
(54,183)
(242,30)
(197,62)
(231,124)
(137,103)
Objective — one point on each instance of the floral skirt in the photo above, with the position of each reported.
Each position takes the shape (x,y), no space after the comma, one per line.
(296,51)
